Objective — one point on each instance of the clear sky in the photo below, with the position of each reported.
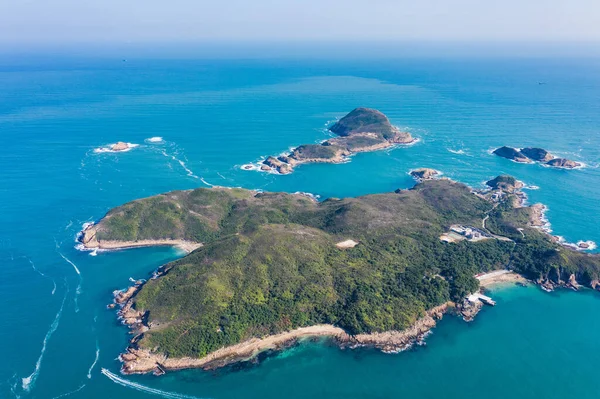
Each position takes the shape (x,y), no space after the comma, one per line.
(135,21)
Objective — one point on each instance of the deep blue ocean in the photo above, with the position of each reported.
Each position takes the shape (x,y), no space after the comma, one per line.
(215,116)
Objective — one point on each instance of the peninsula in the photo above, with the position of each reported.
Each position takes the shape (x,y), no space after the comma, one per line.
(532,154)
(362,130)
(273,267)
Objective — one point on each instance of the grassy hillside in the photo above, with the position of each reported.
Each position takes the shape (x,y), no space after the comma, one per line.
(270,263)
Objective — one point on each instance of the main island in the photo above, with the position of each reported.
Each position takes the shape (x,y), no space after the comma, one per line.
(269,268)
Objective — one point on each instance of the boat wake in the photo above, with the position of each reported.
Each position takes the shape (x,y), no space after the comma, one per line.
(89,375)
(42,274)
(181,163)
(189,172)
(78,290)
(29,382)
(142,388)
(70,393)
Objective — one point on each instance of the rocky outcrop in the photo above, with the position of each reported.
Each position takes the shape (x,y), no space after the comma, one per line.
(531,154)
(563,163)
(424,174)
(362,130)
(537,154)
(505,183)
(512,154)
(119,146)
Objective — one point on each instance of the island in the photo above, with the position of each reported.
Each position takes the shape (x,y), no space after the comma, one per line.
(362,130)
(533,154)
(271,268)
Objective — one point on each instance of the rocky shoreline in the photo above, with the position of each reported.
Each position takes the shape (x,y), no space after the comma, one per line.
(140,361)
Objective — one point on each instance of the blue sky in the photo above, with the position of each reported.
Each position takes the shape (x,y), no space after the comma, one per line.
(136,21)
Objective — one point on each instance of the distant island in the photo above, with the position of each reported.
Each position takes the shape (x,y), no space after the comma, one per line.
(362,130)
(270,268)
(532,154)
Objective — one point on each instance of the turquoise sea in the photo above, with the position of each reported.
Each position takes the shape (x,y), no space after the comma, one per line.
(216,115)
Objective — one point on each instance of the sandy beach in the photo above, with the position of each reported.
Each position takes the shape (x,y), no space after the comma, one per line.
(499,277)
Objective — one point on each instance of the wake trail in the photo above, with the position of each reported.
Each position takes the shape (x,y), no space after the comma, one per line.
(142,388)
(29,382)
(70,393)
(189,172)
(78,290)
(183,165)
(42,274)
(89,375)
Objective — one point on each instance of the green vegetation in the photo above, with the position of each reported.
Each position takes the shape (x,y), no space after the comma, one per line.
(270,263)
(315,151)
(364,120)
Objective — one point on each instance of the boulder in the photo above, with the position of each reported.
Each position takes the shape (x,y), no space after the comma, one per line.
(424,173)
(537,154)
(119,146)
(512,154)
(563,163)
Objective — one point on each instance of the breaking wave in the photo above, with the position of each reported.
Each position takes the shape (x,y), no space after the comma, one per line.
(142,388)
(29,382)
(155,140)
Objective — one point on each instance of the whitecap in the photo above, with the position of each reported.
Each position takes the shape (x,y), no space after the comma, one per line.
(155,140)
(29,382)
(142,388)
(457,152)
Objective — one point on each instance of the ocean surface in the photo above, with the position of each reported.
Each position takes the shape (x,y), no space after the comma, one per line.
(215,116)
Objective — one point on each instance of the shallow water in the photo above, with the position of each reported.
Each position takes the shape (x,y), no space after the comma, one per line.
(215,116)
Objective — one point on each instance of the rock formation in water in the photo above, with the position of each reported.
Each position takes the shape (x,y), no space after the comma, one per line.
(512,153)
(537,154)
(424,174)
(119,146)
(531,154)
(563,163)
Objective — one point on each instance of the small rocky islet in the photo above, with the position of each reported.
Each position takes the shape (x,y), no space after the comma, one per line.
(534,154)
(362,130)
